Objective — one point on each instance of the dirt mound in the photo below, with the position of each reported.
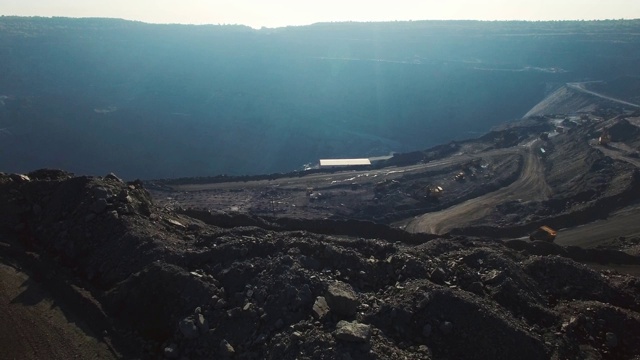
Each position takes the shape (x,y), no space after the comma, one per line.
(180,288)
(623,131)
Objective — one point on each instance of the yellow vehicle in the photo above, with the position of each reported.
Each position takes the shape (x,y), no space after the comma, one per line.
(605,138)
(544,233)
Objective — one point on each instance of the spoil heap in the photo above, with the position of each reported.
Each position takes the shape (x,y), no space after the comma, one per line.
(176,287)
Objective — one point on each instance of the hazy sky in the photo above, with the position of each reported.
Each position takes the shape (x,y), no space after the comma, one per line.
(275,13)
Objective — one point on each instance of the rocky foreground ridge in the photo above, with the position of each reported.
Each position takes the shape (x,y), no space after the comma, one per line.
(161,284)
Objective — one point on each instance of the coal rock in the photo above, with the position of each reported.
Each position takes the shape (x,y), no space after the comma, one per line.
(476,287)
(611,339)
(188,328)
(202,323)
(446,327)
(171,352)
(426,330)
(226,350)
(438,276)
(100,192)
(341,299)
(112,176)
(493,277)
(320,308)
(99,206)
(352,331)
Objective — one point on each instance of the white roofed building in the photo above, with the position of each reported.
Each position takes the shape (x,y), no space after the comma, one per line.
(331,163)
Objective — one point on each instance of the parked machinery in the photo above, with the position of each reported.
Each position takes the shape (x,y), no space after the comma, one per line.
(544,233)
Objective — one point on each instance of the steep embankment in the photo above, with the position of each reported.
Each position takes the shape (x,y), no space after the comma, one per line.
(577,97)
(565,100)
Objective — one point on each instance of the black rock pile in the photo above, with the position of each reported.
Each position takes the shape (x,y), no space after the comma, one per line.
(183,289)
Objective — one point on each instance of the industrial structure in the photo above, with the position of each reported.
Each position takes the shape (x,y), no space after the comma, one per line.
(333,163)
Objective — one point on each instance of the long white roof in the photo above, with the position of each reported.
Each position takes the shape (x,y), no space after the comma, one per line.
(344,162)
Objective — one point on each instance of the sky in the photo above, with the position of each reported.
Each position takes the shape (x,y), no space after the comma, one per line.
(278,13)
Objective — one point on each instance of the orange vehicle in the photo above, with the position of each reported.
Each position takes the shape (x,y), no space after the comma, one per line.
(605,138)
(544,233)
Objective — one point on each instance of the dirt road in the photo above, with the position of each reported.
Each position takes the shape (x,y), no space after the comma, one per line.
(531,185)
(346,193)
(617,152)
(580,87)
(324,179)
(603,232)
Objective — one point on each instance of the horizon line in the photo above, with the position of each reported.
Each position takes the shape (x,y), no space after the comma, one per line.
(317,23)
